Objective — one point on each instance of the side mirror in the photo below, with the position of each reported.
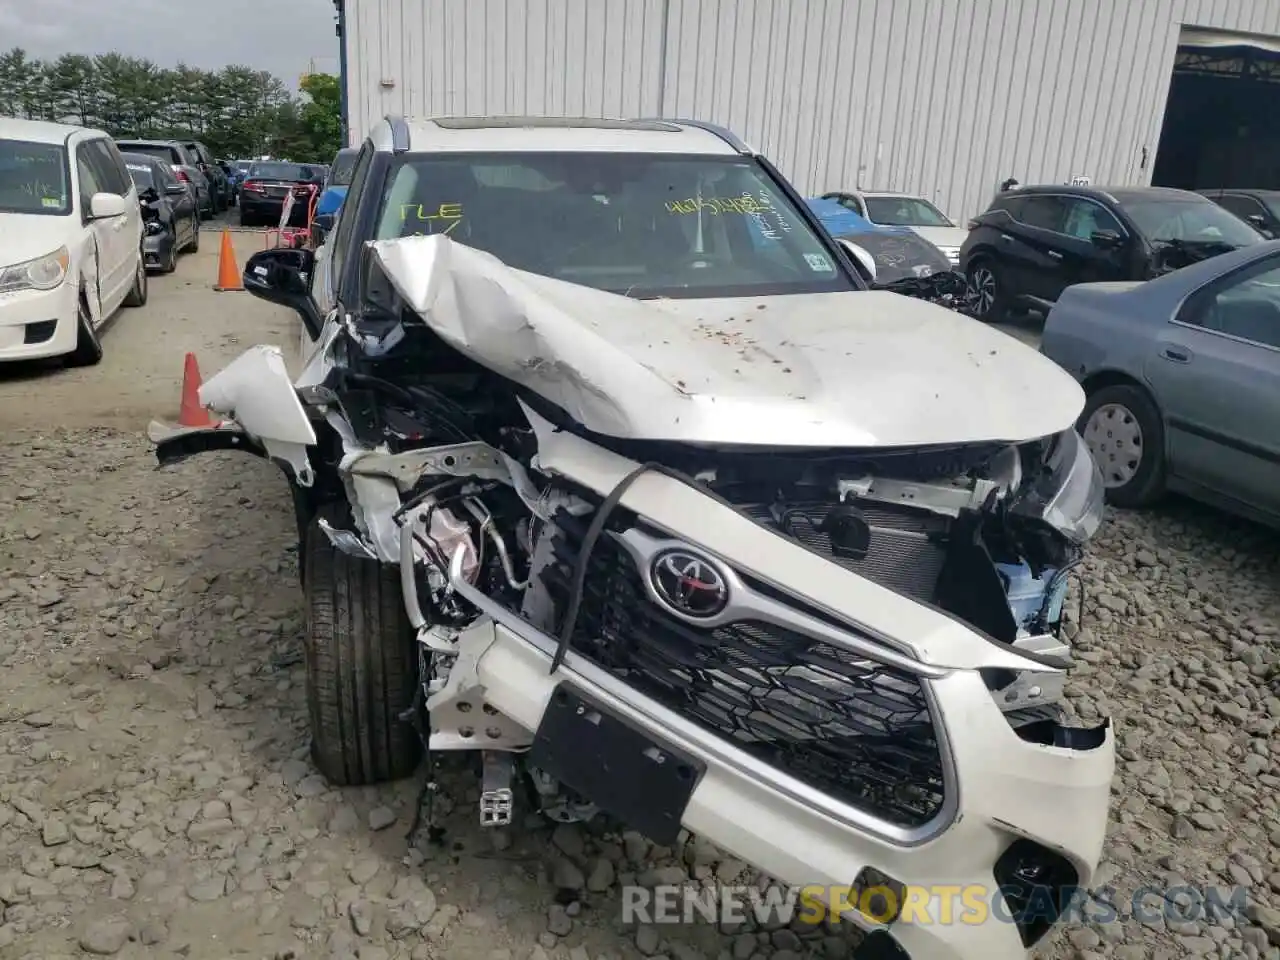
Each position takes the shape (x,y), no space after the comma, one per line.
(1259,222)
(866,263)
(283,276)
(104,206)
(1105,239)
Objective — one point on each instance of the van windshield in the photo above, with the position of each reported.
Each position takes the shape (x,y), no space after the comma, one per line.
(33,178)
(643,225)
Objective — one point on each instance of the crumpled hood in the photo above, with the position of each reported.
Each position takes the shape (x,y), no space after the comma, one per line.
(856,369)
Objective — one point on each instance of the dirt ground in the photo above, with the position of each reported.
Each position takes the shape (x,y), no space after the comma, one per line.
(155,794)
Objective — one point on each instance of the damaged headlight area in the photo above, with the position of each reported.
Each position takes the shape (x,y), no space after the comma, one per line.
(1066,492)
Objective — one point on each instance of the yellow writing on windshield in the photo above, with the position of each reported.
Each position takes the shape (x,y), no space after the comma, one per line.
(745,204)
(434,220)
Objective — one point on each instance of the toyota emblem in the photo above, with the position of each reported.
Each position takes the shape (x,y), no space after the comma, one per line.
(688,584)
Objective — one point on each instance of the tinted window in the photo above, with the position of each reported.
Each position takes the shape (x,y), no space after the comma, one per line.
(141,175)
(905,212)
(282,171)
(850,203)
(1241,206)
(343,167)
(89,174)
(1045,213)
(1084,218)
(348,212)
(1246,305)
(1188,221)
(167,154)
(644,225)
(113,166)
(33,178)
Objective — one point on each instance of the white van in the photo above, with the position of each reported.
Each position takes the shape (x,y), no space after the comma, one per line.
(70,240)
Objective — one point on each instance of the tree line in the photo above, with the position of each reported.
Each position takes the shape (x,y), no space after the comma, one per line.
(236,111)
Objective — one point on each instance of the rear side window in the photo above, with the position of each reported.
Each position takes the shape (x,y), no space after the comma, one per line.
(1044,213)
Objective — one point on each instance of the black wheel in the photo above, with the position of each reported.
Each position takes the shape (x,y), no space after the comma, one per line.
(206,213)
(171,262)
(194,245)
(1125,433)
(362,665)
(987,297)
(88,351)
(137,296)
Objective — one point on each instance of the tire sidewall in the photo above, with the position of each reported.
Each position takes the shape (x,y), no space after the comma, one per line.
(1147,483)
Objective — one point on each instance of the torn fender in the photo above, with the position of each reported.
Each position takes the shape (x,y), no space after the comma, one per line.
(255,393)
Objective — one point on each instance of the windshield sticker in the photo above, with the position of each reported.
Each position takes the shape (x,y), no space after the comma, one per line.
(434,221)
(53,202)
(817,262)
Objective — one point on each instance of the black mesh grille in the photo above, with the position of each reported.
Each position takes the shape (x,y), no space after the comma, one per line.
(852,728)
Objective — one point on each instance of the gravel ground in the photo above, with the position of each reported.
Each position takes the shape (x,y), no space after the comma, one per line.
(155,794)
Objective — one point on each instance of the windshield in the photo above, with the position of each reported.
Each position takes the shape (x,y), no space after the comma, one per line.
(33,178)
(643,225)
(142,175)
(905,212)
(282,171)
(1189,221)
(343,166)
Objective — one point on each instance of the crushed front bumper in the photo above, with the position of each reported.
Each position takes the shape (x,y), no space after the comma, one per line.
(1004,791)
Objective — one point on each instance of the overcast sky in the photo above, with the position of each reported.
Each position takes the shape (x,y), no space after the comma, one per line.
(283,36)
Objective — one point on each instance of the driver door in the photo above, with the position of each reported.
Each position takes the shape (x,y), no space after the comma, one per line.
(1216,372)
(108,258)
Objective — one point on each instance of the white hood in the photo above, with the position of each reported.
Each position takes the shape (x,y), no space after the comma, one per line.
(944,237)
(857,369)
(24,237)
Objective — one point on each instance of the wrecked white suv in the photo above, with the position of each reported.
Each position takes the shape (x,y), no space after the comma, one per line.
(607,465)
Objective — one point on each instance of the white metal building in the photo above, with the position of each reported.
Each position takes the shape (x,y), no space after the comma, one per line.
(945,98)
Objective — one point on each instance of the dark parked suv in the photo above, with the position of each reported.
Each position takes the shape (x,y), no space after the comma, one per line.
(1032,243)
(219,184)
(1259,208)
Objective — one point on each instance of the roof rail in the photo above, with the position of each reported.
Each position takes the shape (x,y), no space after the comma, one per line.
(399,133)
(728,136)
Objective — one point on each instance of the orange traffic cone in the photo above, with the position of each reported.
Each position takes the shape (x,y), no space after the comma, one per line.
(192,413)
(228,272)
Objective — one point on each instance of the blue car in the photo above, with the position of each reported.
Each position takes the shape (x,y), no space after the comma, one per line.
(334,192)
(905,262)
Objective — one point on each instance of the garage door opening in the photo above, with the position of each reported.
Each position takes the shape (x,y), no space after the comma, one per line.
(1219,124)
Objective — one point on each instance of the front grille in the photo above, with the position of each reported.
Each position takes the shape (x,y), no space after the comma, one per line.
(854,729)
(905,554)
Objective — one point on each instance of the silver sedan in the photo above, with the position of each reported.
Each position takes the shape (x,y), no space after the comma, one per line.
(1182,375)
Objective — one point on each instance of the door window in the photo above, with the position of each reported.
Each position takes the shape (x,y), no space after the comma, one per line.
(1244,305)
(111,173)
(1242,207)
(90,178)
(347,212)
(1044,213)
(850,203)
(1084,218)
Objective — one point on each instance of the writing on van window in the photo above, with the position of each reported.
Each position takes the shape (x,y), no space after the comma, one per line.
(439,219)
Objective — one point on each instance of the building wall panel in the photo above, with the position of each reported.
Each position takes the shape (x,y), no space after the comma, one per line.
(945,98)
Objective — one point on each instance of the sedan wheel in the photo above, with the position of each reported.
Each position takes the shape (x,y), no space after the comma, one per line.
(1115,438)
(1125,435)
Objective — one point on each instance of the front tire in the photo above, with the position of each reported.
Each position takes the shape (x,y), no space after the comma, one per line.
(137,296)
(194,245)
(1125,434)
(987,296)
(362,670)
(88,351)
(171,264)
